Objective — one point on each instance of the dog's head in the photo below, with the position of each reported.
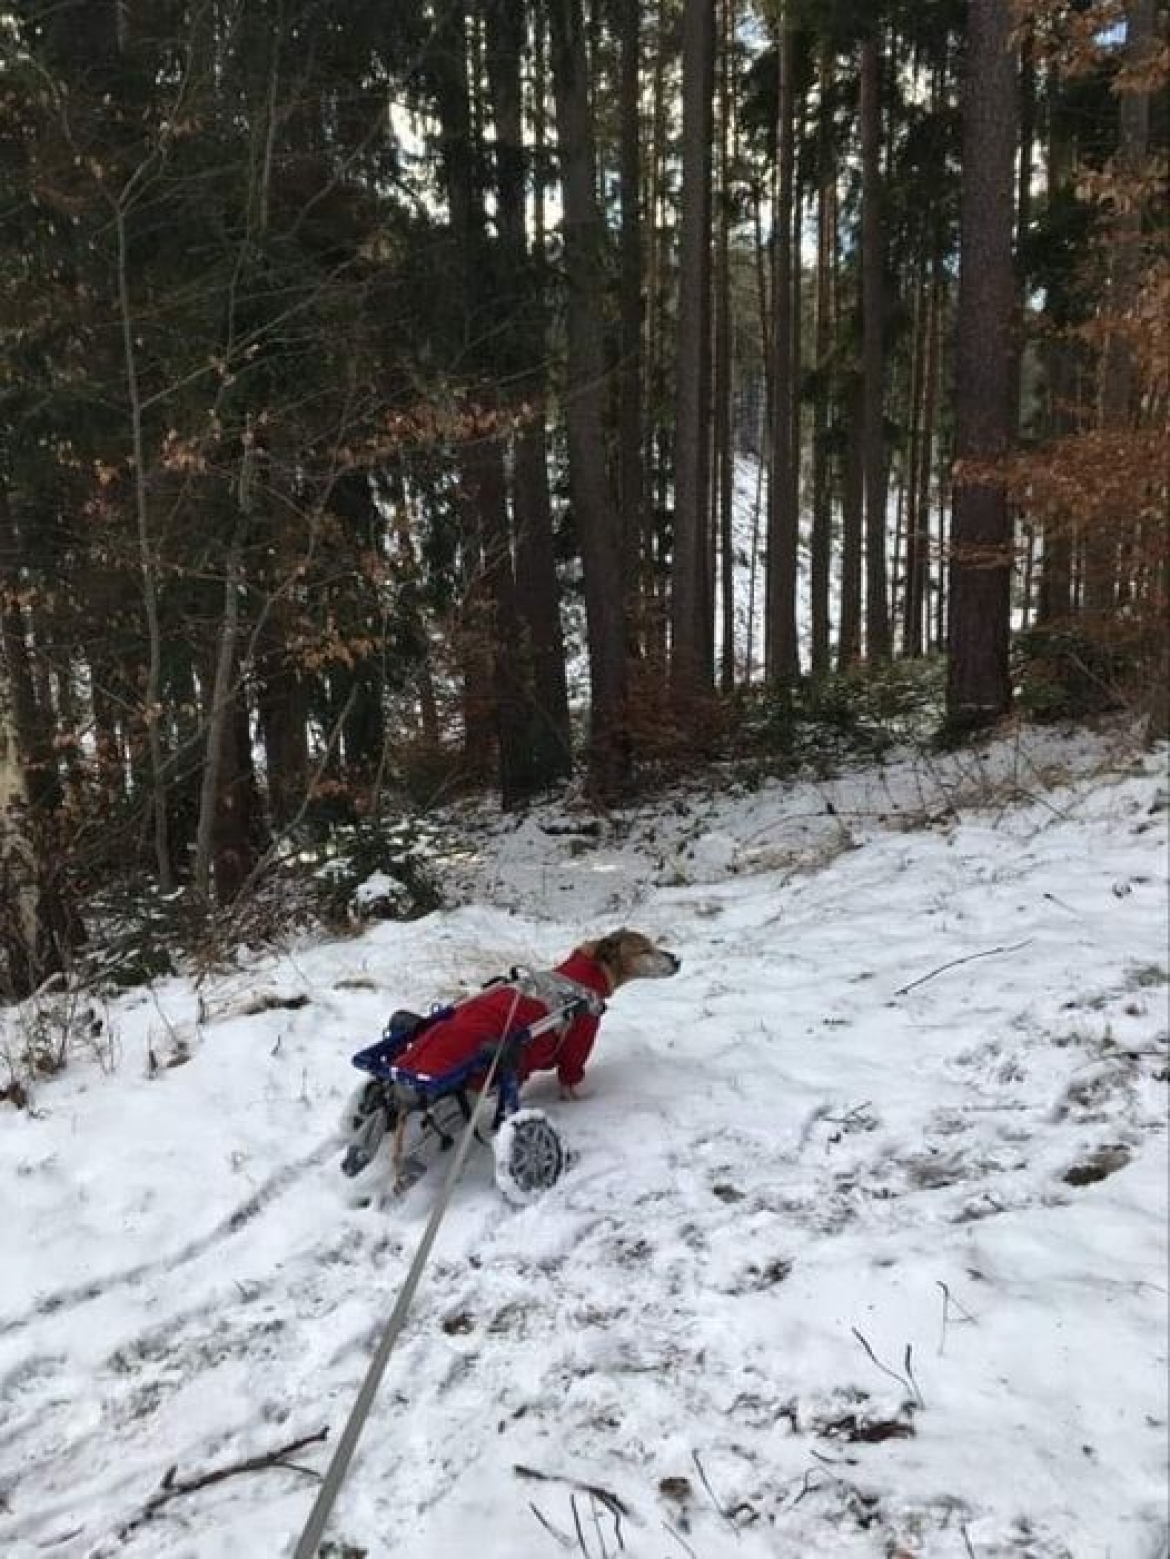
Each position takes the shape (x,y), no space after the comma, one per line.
(628,955)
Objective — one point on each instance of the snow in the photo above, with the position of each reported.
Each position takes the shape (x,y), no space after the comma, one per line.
(861,1251)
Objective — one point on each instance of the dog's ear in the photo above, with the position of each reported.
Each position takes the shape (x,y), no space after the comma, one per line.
(609,950)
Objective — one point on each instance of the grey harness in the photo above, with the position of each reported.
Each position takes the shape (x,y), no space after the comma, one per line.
(556,992)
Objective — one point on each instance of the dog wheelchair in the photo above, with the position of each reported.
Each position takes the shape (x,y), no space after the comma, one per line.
(423,1114)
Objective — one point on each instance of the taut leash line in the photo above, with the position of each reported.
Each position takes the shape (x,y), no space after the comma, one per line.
(335,1473)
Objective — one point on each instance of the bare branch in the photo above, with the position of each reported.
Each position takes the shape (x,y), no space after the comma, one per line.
(1013,947)
(171,1486)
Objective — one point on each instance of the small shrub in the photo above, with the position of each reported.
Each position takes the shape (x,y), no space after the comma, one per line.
(858,713)
(1064,672)
(399,852)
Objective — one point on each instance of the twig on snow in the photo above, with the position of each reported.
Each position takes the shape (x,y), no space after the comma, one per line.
(715,1500)
(172,1486)
(949,1304)
(1013,947)
(833,1461)
(807,1486)
(559,1537)
(610,1500)
(577,1524)
(908,1366)
(967,1541)
(615,1512)
(906,1380)
(678,1537)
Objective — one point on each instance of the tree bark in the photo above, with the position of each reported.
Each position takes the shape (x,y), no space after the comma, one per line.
(1112,537)
(152,711)
(979,682)
(34,926)
(821,540)
(690,616)
(597,520)
(530,673)
(220,710)
(724,366)
(852,520)
(782,654)
(631,479)
(877,615)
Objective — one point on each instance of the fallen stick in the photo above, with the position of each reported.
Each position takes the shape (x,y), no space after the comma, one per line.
(173,1487)
(1014,947)
(616,1506)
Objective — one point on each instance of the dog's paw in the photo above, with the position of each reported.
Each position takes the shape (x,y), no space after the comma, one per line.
(571,1095)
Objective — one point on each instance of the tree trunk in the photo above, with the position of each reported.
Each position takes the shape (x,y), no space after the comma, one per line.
(918,531)
(655,541)
(148,563)
(821,542)
(690,617)
(1113,534)
(34,927)
(1058,365)
(530,676)
(220,712)
(482,469)
(597,520)
(724,367)
(631,481)
(282,709)
(877,615)
(979,683)
(539,605)
(852,512)
(912,465)
(782,654)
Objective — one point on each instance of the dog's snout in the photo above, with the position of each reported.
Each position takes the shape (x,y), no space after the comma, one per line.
(675,962)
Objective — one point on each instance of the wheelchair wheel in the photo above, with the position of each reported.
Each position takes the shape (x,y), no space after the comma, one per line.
(529,1154)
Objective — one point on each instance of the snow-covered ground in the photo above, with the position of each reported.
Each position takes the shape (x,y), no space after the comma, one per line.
(862,1251)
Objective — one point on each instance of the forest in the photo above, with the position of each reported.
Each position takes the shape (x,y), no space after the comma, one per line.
(399,399)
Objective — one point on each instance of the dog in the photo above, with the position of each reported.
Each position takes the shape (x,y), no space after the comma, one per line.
(595,970)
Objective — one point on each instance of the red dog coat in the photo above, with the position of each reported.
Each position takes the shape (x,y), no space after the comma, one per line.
(484,1020)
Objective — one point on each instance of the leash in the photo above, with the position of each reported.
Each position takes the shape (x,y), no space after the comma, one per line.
(335,1473)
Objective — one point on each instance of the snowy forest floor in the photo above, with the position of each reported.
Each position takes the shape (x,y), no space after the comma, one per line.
(862,1251)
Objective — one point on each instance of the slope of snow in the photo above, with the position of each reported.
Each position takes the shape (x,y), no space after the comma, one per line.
(862,1251)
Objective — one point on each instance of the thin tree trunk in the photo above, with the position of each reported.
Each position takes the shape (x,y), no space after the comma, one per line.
(1057,359)
(908,510)
(852,516)
(651,575)
(877,616)
(782,652)
(540,602)
(690,617)
(220,709)
(918,533)
(631,482)
(820,550)
(152,711)
(482,474)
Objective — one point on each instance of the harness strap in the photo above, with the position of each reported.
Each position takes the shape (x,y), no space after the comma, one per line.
(557,992)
